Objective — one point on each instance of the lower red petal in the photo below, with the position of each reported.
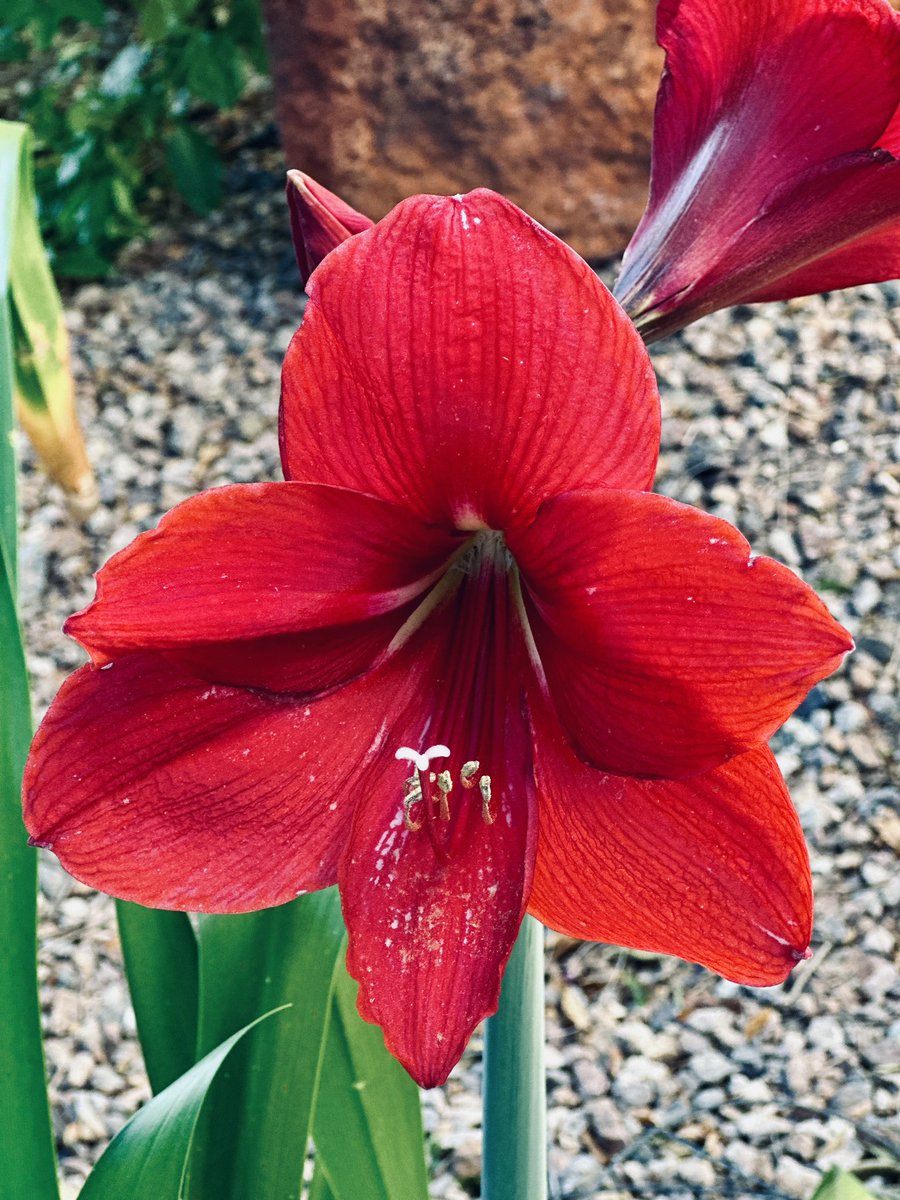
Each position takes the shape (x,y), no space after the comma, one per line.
(712,869)
(158,787)
(433,912)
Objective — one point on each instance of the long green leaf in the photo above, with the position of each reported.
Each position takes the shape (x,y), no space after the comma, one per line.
(12,143)
(27,1161)
(515,1085)
(320,1189)
(254,1134)
(148,1159)
(43,388)
(368,1123)
(838,1185)
(160,952)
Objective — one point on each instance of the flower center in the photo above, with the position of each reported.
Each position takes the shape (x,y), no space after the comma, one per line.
(472,693)
(433,792)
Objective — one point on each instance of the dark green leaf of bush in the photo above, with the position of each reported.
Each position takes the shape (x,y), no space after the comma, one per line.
(214,69)
(196,169)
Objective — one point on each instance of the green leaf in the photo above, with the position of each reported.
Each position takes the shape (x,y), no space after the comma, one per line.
(214,69)
(12,47)
(160,18)
(838,1185)
(254,1135)
(27,1160)
(320,1189)
(368,1123)
(148,1159)
(245,26)
(196,169)
(160,952)
(514,1163)
(44,390)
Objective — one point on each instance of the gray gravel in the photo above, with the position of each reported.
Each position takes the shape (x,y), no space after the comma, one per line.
(663,1079)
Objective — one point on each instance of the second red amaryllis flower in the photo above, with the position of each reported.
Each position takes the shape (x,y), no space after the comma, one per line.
(775,144)
(462,663)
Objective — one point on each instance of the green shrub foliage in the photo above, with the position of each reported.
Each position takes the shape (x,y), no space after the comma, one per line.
(116,95)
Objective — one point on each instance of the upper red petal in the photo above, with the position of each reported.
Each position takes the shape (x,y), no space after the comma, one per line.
(788,83)
(712,869)
(256,560)
(666,647)
(431,369)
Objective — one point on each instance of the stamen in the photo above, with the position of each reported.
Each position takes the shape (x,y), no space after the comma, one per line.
(484,784)
(445,787)
(468,772)
(412,794)
(439,785)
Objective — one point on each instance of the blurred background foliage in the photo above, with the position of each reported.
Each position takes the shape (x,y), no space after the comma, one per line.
(122,99)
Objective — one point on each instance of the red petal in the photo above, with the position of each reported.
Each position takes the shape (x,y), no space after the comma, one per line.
(254,560)
(712,869)
(431,370)
(157,787)
(433,913)
(429,934)
(753,98)
(844,223)
(790,83)
(890,139)
(320,220)
(667,648)
(301,663)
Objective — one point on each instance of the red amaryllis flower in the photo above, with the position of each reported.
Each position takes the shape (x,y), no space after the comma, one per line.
(774,157)
(320,220)
(462,663)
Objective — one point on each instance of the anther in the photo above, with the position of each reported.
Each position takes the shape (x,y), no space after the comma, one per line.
(468,772)
(484,783)
(445,787)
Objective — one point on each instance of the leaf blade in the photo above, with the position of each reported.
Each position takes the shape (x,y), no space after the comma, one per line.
(254,1137)
(839,1185)
(27,1158)
(148,1159)
(368,1124)
(161,962)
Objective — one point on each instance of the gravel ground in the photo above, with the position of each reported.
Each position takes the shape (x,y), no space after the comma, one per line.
(663,1079)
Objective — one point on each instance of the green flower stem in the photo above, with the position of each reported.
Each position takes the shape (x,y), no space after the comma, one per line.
(515,1090)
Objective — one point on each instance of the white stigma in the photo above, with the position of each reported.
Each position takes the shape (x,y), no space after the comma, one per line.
(421,761)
